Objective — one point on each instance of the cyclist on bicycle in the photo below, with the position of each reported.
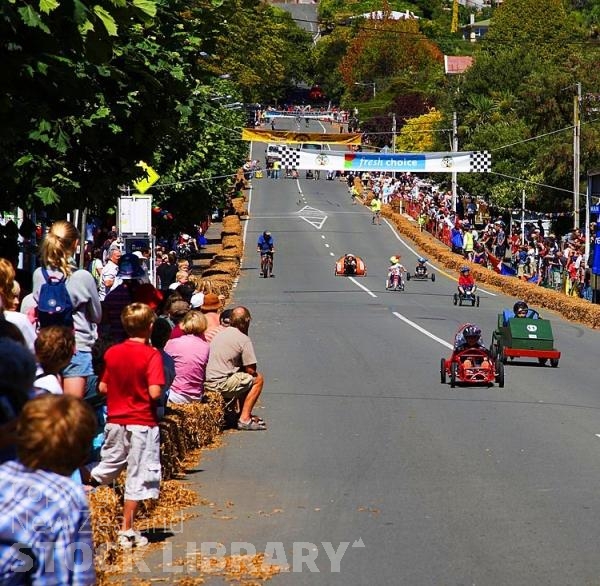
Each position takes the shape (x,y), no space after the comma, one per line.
(266,247)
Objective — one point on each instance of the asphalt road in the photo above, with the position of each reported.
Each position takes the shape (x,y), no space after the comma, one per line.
(366,447)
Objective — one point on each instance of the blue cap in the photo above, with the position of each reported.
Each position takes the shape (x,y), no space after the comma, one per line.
(130,267)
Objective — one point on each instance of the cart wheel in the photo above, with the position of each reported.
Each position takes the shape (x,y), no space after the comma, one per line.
(455,298)
(553,362)
(432,277)
(477,303)
(453,371)
(542,361)
(503,356)
(473,302)
(493,350)
(408,276)
(443,371)
(500,375)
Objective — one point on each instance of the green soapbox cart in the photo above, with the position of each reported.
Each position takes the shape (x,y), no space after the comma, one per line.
(524,337)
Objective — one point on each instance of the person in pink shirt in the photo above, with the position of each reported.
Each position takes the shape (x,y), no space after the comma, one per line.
(190,353)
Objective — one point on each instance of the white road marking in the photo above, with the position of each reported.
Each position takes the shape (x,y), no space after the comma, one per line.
(393,229)
(362,287)
(313,216)
(323,236)
(327,246)
(423,330)
(331,254)
(246,223)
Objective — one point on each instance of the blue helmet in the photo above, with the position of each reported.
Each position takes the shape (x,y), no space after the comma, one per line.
(520,307)
(422,260)
(472,331)
(464,269)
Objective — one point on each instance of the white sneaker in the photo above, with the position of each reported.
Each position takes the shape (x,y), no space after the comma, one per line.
(130,538)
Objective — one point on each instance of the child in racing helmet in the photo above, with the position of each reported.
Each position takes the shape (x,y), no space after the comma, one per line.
(350,264)
(521,309)
(396,269)
(421,269)
(466,283)
(471,336)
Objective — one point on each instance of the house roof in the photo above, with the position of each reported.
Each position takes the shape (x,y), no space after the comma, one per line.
(457,63)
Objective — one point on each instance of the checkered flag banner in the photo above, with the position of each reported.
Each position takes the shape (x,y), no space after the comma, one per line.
(290,158)
(480,162)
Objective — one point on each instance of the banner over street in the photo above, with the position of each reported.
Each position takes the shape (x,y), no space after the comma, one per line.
(292,137)
(461,162)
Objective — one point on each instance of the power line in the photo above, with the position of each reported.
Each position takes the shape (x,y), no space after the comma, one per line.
(521,179)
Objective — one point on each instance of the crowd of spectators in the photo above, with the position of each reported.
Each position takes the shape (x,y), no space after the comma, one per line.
(102,381)
(531,252)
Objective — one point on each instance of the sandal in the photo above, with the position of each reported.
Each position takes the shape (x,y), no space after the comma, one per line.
(251,425)
(258,419)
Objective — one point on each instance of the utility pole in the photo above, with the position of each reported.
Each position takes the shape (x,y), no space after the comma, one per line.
(576,154)
(394,135)
(454,150)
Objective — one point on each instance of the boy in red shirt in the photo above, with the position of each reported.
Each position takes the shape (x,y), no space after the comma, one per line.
(132,380)
(466,283)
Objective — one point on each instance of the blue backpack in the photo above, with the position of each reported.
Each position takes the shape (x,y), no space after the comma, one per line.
(54,304)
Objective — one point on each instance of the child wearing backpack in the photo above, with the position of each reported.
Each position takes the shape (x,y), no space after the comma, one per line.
(68,297)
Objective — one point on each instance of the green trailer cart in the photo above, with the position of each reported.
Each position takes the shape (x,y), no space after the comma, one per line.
(524,337)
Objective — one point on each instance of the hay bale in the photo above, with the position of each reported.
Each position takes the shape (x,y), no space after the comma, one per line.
(232,242)
(220,284)
(232,268)
(232,224)
(227,258)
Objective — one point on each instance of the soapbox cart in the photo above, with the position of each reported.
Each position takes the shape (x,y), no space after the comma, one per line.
(524,337)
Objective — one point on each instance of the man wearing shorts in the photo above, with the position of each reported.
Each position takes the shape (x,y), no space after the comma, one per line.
(231,368)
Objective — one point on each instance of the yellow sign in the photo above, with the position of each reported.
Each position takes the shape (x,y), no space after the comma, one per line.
(291,137)
(149,179)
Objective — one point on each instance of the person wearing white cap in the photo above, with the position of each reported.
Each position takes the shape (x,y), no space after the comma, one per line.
(109,271)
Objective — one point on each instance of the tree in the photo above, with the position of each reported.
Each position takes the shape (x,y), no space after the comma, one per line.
(92,88)
(419,134)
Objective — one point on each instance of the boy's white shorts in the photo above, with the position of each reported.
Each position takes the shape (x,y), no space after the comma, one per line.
(137,448)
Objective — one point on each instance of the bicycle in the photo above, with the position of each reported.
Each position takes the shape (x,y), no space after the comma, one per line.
(266,264)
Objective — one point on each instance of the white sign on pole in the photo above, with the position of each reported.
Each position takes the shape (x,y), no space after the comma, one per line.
(135,214)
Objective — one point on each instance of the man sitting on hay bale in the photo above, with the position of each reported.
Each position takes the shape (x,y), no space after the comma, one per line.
(231,369)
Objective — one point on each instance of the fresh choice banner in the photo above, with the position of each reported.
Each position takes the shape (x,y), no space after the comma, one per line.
(292,137)
(306,114)
(460,162)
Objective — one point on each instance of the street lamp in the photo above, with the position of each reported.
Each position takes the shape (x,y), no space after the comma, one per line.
(368,83)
